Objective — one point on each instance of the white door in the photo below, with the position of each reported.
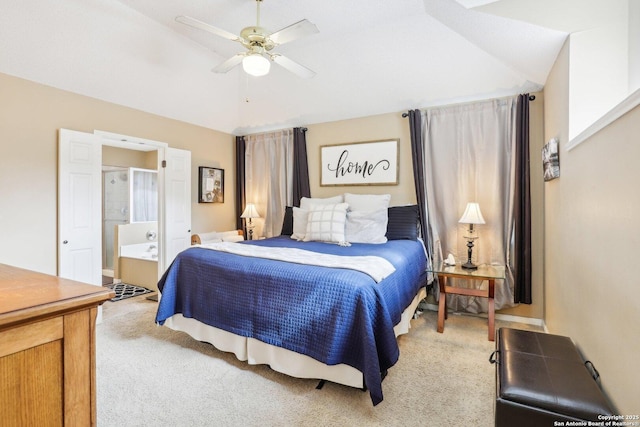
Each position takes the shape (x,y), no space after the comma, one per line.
(177,206)
(79,207)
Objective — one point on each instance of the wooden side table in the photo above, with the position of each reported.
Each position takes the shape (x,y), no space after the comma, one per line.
(490,273)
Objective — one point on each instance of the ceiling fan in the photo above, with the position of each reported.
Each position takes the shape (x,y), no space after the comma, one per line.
(259,44)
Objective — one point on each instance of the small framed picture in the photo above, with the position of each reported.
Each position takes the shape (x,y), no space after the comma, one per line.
(210,185)
(551,160)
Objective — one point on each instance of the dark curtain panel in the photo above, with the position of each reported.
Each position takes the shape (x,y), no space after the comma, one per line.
(417,154)
(522,208)
(240,194)
(301,186)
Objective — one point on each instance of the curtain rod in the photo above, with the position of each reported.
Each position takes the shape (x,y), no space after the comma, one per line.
(406,114)
(274,130)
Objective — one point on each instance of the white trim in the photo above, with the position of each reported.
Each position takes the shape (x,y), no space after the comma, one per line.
(614,114)
(505,317)
(129,142)
(520,319)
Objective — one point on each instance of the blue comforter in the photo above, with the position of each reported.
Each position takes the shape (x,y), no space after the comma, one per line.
(333,315)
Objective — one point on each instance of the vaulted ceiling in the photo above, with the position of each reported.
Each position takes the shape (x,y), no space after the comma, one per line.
(370,56)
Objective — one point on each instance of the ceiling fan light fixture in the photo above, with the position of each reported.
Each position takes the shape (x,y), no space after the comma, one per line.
(256,65)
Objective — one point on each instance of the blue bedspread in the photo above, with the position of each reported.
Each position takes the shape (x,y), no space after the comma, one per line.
(330,314)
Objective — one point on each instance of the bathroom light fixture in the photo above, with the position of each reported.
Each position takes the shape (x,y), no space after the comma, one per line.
(471,216)
(249,213)
(256,64)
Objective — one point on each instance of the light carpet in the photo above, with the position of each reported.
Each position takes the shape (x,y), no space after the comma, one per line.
(148,375)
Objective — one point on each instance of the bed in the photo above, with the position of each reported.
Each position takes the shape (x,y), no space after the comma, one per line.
(310,321)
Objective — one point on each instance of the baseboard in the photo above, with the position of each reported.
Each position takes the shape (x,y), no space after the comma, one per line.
(520,319)
(505,317)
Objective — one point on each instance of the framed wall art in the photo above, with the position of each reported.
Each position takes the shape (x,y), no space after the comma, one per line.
(551,160)
(360,163)
(210,185)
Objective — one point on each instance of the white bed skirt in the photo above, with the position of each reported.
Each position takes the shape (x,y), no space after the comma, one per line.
(288,362)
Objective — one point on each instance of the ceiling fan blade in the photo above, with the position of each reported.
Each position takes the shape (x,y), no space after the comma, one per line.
(293,31)
(206,27)
(293,66)
(229,63)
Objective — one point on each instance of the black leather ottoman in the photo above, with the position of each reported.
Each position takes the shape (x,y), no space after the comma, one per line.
(541,378)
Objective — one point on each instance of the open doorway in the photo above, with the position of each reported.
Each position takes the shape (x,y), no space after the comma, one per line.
(173,167)
(80,201)
(129,195)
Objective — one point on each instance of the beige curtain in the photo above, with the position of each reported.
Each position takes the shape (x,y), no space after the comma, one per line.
(269,178)
(468,158)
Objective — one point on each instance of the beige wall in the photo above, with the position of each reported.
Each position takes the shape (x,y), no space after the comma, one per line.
(591,242)
(393,125)
(30,116)
(372,128)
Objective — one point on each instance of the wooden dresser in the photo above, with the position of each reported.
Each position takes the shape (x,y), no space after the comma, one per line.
(47,349)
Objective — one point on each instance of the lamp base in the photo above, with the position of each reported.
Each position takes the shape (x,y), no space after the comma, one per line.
(469,266)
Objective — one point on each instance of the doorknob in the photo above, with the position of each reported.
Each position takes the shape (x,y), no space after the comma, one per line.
(64,242)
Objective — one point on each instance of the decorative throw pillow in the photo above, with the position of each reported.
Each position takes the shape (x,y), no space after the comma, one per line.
(326,223)
(367,226)
(367,202)
(307,203)
(403,222)
(299,228)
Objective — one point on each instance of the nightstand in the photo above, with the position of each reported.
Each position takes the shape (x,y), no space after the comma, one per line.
(490,273)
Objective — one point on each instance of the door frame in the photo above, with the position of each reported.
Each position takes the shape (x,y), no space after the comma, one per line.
(140,144)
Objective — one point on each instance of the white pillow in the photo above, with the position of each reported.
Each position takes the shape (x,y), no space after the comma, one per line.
(299,223)
(206,242)
(213,235)
(326,223)
(367,226)
(308,203)
(232,237)
(367,202)
(221,236)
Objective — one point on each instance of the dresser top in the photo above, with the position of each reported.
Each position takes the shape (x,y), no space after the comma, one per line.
(26,294)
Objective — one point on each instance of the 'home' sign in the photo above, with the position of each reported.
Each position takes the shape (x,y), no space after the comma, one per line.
(360,163)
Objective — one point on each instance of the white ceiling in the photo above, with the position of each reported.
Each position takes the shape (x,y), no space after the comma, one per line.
(370,56)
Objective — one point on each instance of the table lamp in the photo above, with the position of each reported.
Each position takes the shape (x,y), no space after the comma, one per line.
(471,216)
(249,213)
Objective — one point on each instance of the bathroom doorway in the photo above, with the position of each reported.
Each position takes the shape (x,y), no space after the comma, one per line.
(80,201)
(129,195)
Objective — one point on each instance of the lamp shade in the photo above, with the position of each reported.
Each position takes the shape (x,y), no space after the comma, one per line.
(256,64)
(250,211)
(472,214)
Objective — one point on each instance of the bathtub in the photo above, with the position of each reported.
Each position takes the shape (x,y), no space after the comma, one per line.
(139,264)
